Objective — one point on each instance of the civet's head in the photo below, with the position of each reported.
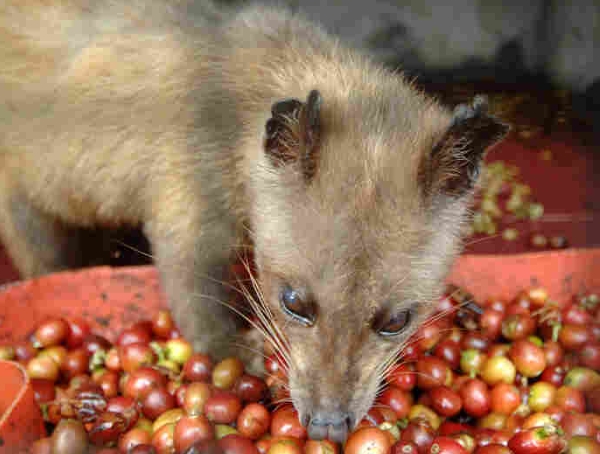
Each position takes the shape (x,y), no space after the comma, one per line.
(360,201)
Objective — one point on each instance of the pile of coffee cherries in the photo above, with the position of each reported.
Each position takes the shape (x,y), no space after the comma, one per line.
(493,377)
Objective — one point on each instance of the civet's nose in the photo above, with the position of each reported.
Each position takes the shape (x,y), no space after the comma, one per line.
(332,425)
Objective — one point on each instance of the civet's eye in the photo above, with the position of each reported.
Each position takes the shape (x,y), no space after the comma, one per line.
(296,306)
(392,325)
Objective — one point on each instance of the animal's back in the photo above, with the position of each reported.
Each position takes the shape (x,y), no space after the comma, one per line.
(99,89)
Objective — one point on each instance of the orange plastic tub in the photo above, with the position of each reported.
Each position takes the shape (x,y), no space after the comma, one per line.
(20,420)
(111,299)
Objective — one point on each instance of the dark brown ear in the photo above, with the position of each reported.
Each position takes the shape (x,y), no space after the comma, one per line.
(293,133)
(455,161)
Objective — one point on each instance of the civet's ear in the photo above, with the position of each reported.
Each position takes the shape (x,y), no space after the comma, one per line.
(281,142)
(310,133)
(455,160)
(293,133)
